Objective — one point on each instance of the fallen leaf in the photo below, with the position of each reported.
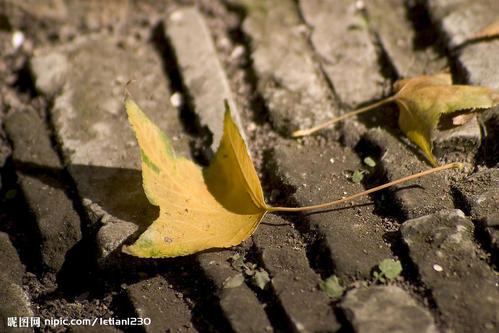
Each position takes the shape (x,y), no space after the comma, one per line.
(219,206)
(421,102)
(215,207)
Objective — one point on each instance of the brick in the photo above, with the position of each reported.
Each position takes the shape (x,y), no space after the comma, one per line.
(396,160)
(296,94)
(353,235)
(479,193)
(386,309)
(460,143)
(201,71)
(11,267)
(491,224)
(463,286)
(31,141)
(459,20)
(389,21)
(38,175)
(155,299)
(98,143)
(295,284)
(340,36)
(237,304)
(15,303)
(479,63)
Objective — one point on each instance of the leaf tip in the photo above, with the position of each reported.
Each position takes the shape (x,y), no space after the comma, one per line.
(227,109)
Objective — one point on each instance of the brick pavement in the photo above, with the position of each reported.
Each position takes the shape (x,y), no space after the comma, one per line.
(72,163)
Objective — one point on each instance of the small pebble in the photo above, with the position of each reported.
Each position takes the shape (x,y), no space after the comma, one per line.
(437,268)
(176,99)
(17,39)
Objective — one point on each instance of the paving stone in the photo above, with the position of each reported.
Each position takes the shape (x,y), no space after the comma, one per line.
(353,234)
(155,299)
(386,309)
(463,18)
(98,143)
(340,36)
(37,164)
(5,150)
(491,226)
(449,263)
(296,94)
(482,70)
(396,160)
(31,141)
(201,71)
(295,284)
(460,143)
(389,20)
(480,194)
(110,235)
(15,303)
(11,268)
(237,304)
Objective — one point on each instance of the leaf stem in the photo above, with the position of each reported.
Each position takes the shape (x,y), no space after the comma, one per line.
(308,131)
(374,189)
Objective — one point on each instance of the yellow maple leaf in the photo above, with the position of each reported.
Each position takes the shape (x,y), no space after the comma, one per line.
(218,206)
(421,101)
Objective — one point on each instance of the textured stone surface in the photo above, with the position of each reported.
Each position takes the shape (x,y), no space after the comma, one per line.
(481,70)
(386,309)
(397,160)
(11,268)
(91,124)
(296,285)
(389,20)
(480,193)
(15,304)
(201,71)
(155,299)
(460,143)
(43,188)
(279,54)
(462,285)
(463,18)
(353,234)
(238,304)
(480,198)
(491,226)
(340,36)
(296,94)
